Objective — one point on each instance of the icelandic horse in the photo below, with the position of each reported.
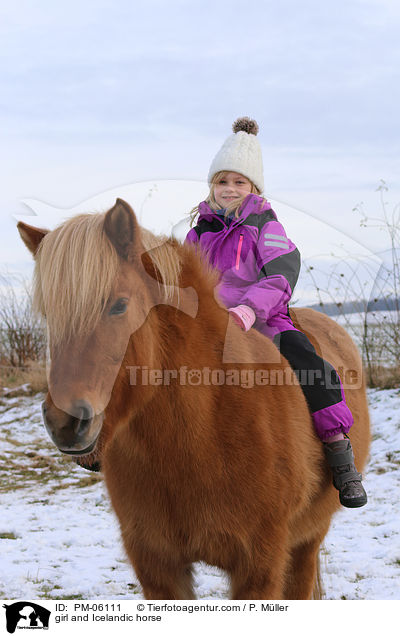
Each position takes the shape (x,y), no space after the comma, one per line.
(199,465)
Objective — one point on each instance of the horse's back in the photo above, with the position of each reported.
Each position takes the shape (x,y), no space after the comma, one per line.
(334,344)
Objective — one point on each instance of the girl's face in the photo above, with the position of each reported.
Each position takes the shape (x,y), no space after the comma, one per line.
(229,187)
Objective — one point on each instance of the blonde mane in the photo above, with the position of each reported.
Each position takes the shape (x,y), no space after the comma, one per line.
(76,265)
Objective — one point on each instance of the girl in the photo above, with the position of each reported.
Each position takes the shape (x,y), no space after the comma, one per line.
(259,266)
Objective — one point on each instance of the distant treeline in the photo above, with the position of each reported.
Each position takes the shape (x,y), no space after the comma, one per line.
(357,306)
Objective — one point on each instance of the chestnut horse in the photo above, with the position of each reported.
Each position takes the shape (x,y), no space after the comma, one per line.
(150,377)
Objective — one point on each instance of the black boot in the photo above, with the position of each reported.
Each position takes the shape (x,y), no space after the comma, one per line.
(345,476)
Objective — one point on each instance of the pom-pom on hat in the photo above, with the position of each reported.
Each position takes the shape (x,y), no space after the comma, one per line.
(241,152)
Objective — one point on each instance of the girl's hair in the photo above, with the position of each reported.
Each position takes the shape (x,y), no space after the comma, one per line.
(232,207)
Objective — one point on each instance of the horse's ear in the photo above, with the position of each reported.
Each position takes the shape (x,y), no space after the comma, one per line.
(31,236)
(121,227)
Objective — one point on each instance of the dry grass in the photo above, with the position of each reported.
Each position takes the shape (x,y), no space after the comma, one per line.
(384,377)
(33,374)
(20,469)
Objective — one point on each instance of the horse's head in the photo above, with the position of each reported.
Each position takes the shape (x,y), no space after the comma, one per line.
(93,289)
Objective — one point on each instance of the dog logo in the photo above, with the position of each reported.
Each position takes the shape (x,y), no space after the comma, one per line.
(26,615)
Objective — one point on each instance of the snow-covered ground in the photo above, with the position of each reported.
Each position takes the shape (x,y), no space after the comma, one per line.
(60,539)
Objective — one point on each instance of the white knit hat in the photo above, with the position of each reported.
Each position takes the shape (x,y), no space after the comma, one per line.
(241,152)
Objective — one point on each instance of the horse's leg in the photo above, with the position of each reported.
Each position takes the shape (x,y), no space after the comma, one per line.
(263,576)
(161,578)
(302,571)
(260,583)
(174,584)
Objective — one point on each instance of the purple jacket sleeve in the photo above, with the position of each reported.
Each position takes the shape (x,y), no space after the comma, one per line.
(192,236)
(278,265)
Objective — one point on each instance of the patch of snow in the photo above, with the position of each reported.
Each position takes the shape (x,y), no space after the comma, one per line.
(62,540)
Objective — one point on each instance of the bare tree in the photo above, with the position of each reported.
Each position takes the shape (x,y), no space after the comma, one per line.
(22,334)
(377,328)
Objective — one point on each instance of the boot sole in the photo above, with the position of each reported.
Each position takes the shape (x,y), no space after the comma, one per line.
(353,503)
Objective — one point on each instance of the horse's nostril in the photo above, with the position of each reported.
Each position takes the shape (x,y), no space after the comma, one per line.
(86,413)
(82,410)
(83,426)
(83,417)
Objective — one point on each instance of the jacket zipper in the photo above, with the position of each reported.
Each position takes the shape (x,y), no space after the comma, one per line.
(239,249)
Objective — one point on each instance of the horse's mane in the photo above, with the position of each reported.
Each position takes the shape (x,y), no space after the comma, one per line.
(76,265)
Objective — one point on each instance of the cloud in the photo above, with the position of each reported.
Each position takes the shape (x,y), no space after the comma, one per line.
(311,74)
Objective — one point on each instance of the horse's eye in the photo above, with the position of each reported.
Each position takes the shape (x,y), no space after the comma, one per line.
(119,307)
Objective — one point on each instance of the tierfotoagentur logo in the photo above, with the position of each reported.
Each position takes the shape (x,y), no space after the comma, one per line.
(26,615)
(245,378)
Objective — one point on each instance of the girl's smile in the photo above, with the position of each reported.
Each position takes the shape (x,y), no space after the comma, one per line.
(230,187)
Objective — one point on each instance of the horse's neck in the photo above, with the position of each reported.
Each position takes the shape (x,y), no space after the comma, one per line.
(181,335)
(193,322)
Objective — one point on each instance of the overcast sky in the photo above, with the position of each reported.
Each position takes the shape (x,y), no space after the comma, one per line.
(98,95)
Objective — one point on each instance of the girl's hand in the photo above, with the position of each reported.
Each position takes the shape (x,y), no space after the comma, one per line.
(243,316)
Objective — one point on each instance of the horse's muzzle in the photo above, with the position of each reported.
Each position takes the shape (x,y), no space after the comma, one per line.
(74,432)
